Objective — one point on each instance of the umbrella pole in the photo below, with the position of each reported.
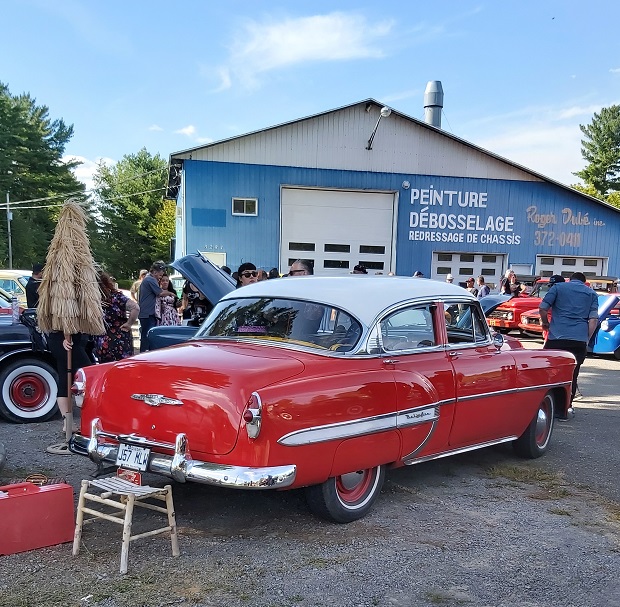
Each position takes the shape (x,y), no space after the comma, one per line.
(69,413)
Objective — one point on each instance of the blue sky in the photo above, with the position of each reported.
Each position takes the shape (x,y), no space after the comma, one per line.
(519,77)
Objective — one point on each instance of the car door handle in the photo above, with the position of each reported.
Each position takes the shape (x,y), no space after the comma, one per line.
(390,361)
(453,354)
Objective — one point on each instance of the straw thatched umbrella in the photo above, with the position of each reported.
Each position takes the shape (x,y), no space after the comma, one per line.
(69,295)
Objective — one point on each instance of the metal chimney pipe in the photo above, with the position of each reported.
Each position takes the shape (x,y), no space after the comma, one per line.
(433,103)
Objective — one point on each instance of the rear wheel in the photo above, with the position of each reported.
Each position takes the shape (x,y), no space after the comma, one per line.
(28,391)
(617,353)
(535,440)
(348,497)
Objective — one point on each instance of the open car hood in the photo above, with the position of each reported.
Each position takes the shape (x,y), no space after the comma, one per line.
(490,302)
(212,282)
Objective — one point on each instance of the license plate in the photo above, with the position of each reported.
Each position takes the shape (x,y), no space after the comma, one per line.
(131,456)
(129,475)
(493,322)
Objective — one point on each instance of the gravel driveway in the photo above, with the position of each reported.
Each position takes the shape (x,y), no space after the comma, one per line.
(481,529)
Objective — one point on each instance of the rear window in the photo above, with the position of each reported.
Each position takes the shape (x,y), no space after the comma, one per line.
(293,322)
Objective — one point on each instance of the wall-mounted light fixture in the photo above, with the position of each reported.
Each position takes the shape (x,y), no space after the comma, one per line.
(385,112)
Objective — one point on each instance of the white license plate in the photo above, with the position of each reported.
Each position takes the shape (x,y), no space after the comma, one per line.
(130,456)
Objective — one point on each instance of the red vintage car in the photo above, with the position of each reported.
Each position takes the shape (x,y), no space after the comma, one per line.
(506,317)
(323,383)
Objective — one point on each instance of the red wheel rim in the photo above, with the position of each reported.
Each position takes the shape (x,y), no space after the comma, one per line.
(353,487)
(29,392)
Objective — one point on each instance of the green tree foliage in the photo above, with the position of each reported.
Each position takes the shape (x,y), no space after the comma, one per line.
(134,223)
(613,198)
(601,150)
(31,166)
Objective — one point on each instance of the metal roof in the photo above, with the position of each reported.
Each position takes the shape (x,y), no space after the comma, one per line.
(374,103)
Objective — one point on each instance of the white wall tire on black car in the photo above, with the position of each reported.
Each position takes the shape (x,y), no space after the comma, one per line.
(346,498)
(28,390)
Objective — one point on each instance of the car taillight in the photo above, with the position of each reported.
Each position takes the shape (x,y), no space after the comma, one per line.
(252,415)
(78,387)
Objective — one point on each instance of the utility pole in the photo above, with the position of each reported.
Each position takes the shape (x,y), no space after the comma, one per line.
(9,217)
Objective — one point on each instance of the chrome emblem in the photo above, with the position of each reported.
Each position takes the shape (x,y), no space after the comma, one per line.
(156,400)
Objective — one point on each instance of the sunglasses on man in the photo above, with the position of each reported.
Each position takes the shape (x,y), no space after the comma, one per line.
(298,272)
(249,274)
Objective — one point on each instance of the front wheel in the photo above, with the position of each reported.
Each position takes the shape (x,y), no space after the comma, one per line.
(535,440)
(346,498)
(28,390)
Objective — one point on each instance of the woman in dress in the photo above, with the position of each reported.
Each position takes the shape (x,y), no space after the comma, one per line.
(167,306)
(119,314)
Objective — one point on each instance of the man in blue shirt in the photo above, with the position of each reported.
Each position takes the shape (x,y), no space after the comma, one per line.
(574,318)
(148,293)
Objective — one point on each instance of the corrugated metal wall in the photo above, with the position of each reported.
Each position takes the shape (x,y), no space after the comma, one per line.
(338,140)
(563,223)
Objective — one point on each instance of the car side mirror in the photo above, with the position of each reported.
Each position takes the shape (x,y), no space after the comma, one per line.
(498,340)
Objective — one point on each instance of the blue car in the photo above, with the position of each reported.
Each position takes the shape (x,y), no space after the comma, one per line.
(606,339)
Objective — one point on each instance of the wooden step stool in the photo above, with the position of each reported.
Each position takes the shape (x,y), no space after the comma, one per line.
(131,495)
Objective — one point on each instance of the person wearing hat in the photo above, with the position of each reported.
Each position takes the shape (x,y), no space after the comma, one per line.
(470,286)
(360,269)
(32,286)
(450,278)
(574,319)
(147,294)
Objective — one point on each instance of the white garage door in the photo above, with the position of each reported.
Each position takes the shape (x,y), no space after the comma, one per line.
(464,265)
(337,230)
(547,265)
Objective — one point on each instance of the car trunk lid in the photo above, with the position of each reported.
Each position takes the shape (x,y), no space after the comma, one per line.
(200,388)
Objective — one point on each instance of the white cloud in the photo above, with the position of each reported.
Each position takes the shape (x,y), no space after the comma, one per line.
(267,46)
(188,130)
(155,127)
(86,171)
(548,148)
(615,70)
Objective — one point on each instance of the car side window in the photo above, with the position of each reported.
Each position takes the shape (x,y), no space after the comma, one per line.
(408,329)
(465,324)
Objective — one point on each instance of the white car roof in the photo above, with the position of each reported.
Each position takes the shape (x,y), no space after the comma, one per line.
(363,296)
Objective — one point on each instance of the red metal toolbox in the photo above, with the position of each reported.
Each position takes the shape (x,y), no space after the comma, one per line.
(34,517)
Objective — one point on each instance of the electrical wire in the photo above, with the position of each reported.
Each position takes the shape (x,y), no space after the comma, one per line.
(49,206)
(79,193)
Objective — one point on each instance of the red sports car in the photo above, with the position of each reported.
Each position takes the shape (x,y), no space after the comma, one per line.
(323,383)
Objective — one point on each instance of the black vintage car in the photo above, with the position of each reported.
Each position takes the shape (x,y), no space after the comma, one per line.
(28,379)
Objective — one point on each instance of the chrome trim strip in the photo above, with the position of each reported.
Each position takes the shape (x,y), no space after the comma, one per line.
(427,458)
(364,426)
(514,391)
(421,445)
(348,429)
(12,352)
(180,466)
(419,415)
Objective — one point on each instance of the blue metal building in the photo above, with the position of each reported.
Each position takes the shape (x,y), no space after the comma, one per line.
(355,185)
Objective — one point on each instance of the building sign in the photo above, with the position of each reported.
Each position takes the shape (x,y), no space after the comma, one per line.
(552,232)
(458,216)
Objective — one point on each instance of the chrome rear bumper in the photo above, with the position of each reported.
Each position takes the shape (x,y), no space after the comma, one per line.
(179,466)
